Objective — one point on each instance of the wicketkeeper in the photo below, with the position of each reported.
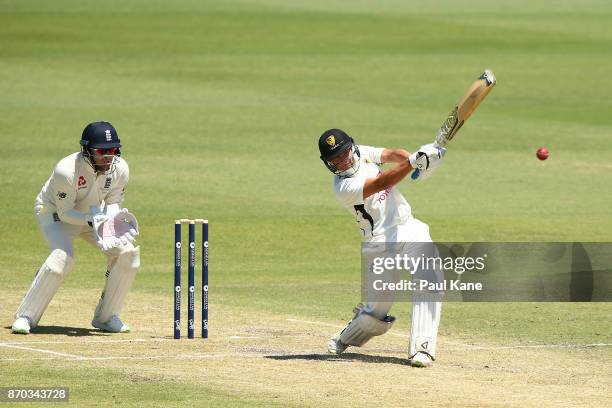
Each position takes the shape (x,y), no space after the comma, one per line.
(83,198)
(383,215)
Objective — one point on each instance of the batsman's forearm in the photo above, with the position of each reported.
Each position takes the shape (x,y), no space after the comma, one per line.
(394,155)
(387,179)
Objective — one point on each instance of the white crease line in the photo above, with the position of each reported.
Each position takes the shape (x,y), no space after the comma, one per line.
(157,357)
(591,345)
(337,326)
(393,333)
(81,341)
(317,323)
(243,337)
(109,341)
(474,346)
(182,357)
(73,356)
(29,359)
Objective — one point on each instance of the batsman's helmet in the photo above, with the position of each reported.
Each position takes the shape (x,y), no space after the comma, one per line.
(333,143)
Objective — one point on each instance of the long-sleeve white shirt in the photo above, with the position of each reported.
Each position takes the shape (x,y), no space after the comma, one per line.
(74,187)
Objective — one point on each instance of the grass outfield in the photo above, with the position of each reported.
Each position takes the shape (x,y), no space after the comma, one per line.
(219,107)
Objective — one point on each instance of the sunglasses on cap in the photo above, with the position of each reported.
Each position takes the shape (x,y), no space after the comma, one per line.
(106,152)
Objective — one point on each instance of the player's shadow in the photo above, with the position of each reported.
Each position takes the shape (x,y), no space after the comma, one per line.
(66,331)
(343,357)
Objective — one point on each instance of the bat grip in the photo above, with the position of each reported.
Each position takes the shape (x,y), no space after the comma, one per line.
(416,173)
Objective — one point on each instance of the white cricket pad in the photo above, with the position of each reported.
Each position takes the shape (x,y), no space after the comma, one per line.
(424,331)
(363,327)
(118,282)
(46,283)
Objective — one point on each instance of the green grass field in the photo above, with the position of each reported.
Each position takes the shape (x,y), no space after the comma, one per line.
(219,106)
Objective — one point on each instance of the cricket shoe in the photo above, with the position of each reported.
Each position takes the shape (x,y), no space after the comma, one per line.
(114,325)
(421,359)
(21,326)
(335,346)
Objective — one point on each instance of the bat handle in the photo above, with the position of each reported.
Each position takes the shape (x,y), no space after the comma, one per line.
(416,173)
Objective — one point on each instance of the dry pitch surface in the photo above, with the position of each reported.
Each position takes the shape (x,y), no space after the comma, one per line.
(282,358)
(237,92)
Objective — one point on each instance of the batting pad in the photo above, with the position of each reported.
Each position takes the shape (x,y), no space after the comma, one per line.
(118,282)
(46,283)
(424,331)
(363,327)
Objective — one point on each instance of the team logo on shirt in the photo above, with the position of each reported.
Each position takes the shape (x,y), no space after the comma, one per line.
(107,183)
(82,182)
(109,137)
(61,195)
(331,140)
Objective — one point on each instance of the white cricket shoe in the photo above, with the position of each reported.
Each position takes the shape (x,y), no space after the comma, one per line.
(114,325)
(21,326)
(335,346)
(421,359)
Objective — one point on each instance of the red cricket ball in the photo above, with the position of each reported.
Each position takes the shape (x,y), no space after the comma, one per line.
(542,153)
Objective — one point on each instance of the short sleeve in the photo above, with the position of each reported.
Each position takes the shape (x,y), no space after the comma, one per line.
(349,191)
(372,153)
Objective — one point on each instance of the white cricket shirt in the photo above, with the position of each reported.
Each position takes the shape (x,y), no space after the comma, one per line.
(380,211)
(74,186)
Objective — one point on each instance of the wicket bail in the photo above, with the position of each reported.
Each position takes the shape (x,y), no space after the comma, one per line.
(190,277)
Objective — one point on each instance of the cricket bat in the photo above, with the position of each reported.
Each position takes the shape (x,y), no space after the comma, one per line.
(464,109)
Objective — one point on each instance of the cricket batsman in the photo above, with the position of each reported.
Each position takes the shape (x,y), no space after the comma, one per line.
(82,199)
(382,215)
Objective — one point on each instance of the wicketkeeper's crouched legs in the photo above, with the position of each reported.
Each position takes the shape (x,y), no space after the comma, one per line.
(46,283)
(119,277)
